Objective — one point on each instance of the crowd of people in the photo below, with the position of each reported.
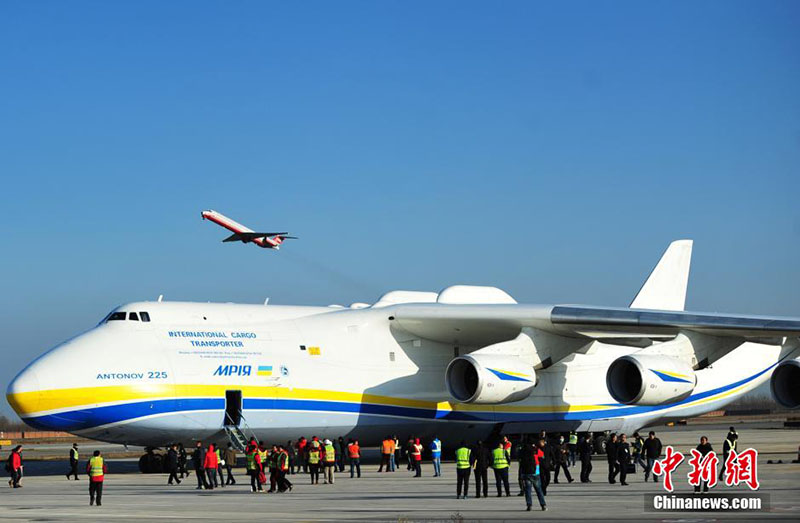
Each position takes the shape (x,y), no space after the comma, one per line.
(540,459)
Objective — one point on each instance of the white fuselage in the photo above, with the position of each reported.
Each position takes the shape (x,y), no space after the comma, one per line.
(324,371)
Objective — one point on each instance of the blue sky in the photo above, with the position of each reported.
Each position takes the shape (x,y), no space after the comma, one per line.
(550,149)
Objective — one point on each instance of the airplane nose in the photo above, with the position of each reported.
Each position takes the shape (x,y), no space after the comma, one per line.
(24,393)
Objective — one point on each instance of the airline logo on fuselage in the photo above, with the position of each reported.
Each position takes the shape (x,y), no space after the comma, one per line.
(233,370)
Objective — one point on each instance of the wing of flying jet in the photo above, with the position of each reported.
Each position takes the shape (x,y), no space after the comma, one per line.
(479,325)
(250,236)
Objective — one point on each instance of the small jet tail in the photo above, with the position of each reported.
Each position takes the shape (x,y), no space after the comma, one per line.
(665,288)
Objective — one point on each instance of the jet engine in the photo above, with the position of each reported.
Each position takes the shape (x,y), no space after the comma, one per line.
(649,379)
(785,384)
(489,378)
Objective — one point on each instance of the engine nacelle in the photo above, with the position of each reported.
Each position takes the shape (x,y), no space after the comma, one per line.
(489,378)
(649,379)
(785,384)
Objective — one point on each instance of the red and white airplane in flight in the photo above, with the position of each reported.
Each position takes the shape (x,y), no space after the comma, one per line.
(267,240)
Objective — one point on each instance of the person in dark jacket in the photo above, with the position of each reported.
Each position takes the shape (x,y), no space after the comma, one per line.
(652,451)
(483,458)
(611,457)
(637,448)
(623,459)
(340,448)
(703,448)
(585,454)
(272,465)
(182,460)
(172,465)
(198,460)
(409,447)
(292,450)
(549,463)
(530,460)
(230,461)
(562,459)
(73,462)
(516,451)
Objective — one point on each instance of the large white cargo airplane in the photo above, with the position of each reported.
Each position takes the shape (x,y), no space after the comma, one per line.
(265,240)
(463,363)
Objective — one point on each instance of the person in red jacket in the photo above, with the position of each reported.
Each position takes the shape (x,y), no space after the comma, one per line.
(15,467)
(210,464)
(301,445)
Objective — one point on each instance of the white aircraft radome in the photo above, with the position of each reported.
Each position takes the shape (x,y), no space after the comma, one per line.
(464,363)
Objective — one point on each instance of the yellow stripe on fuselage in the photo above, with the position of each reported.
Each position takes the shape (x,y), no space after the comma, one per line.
(30,403)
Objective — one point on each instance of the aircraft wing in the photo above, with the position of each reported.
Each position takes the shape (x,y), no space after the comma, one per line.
(480,325)
(250,236)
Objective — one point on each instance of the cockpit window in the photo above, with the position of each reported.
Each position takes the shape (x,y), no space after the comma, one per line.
(116,316)
(133,316)
(145,316)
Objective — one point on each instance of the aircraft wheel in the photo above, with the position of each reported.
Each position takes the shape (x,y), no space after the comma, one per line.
(144,464)
(151,463)
(600,444)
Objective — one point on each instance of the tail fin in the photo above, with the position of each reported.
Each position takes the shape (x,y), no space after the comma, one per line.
(665,288)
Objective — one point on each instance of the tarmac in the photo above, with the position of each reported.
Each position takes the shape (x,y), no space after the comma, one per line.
(128,495)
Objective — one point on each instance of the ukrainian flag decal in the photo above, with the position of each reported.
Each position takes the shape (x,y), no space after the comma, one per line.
(265,370)
(506,375)
(671,376)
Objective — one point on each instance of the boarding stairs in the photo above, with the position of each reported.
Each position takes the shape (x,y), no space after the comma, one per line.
(236,435)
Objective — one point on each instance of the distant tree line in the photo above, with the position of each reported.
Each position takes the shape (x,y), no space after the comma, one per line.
(9,425)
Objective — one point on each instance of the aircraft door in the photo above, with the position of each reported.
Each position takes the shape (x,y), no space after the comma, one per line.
(233,408)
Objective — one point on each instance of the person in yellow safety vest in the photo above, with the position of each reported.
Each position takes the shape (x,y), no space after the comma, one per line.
(219,468)
(253,467)
(728,446)
(97,471)
(272,462)
(463,467)
(263,455)
(500,461)
(283,466)
(572,445)
(73,462)
(329,461)
(313,462)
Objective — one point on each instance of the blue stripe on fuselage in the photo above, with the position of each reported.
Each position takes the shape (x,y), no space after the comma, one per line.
(81,419)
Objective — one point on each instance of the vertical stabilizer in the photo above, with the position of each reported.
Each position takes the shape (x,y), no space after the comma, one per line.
(665,288)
